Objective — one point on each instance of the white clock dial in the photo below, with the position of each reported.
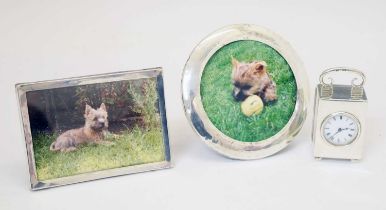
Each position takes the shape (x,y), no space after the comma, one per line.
(340,128)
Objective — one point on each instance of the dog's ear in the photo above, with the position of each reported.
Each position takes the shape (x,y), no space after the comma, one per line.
(103,107)
(88,110)
(259,67)
(235,63)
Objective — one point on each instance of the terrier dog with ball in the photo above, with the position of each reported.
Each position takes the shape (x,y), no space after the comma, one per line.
(252,85)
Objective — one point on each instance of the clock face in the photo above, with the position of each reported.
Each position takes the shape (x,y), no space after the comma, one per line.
(340,128)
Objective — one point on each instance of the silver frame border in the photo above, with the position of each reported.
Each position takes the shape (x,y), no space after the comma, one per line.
(335,114)
(23,88)
(191,79)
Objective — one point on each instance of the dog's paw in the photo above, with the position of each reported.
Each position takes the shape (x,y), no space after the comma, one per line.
(69,149)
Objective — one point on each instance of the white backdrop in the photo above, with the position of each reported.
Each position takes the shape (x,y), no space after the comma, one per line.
(42,40)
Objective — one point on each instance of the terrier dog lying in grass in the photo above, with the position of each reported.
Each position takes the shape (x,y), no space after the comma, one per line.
(252,79)
(94,131)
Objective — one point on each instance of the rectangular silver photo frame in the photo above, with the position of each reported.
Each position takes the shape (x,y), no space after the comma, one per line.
(23,88)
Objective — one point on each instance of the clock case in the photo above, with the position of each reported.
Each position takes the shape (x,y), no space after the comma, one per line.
(331,99)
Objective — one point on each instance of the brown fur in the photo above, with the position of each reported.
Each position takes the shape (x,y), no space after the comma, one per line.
(94,131)
(252,79)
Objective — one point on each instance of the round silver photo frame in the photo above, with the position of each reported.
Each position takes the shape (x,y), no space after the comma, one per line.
(198,118)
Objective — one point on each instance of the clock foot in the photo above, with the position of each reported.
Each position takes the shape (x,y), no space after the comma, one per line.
(318,158)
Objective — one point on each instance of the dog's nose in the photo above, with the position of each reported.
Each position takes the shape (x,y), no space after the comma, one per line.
(101,122)
(238,96)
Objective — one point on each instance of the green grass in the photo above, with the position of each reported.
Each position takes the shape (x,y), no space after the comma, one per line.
(225,113)
(131,148)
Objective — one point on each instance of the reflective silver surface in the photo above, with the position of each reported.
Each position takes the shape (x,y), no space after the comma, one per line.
(339,99)
(192,100)
(21,90)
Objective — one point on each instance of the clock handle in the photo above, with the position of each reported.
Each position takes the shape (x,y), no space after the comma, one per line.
(356,88)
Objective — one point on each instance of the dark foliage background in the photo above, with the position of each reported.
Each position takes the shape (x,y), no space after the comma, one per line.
(129,103)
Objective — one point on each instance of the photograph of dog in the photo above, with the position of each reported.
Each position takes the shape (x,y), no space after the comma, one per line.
(94,131)
(252,79)
(93,127)
(248,90)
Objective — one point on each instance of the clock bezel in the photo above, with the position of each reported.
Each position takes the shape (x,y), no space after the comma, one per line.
(355,119)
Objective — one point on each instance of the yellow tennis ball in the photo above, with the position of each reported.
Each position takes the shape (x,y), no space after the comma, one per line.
(253,105)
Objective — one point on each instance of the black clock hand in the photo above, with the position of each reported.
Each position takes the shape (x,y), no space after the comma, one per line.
(336,133)
(339,130)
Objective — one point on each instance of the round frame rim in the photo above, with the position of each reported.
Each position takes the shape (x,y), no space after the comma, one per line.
(194,111)
(335,114)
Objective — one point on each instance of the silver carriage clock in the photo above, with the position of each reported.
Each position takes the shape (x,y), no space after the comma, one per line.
(339,117)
